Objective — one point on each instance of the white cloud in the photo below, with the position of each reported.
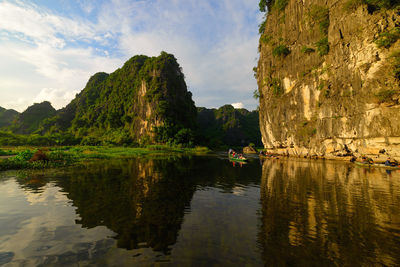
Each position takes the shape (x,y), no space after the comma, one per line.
(238,105)
(57,96)
(214,41)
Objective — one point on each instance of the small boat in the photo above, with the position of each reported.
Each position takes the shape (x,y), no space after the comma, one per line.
(243,159)
(376,165)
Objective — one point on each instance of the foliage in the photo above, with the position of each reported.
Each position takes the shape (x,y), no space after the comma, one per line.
(307,50)
(396,64)
(66,156)
(256,94)
(228,126)
(385,95)
(281,50)
(280,5)
(373,5)
(24,155)
(266,39)
(28,121)
(7,116)
(320,15)
(386,39)
(276,87)
(323,46)
(261,27)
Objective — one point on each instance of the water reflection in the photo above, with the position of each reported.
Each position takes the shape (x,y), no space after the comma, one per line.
(143,201)
(326,214)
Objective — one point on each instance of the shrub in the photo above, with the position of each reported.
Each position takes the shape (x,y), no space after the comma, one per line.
(385,95)
(276,87)
(352,4)
(261,27)
(396,64)
(280,50)
(323,46)
(320,15)
(307,50)
(386,39)
(265,39)
(24,155)
(280,5)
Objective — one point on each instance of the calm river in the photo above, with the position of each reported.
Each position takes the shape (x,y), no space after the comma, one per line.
(201,211)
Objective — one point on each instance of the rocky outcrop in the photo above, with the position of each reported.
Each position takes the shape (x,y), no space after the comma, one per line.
(328,79)
(144,101)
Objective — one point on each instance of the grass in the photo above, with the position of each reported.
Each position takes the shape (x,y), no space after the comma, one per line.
(67,155)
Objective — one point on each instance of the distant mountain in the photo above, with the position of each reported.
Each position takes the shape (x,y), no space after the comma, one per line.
(7,116)
(29,120)
(228,126)
(144,101)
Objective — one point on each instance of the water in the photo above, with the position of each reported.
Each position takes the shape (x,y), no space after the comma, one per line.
(201,211)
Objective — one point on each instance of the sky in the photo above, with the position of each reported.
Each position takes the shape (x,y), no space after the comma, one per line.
(50,48)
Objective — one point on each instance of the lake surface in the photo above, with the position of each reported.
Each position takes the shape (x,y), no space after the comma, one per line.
(201,211)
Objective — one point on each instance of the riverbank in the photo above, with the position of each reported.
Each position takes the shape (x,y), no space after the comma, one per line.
(23,157)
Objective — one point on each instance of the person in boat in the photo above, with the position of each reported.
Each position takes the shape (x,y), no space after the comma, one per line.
(366,160)
(389,162)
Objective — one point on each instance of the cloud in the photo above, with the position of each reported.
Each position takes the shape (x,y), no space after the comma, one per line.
(214,41)
(238,105)
(58,97)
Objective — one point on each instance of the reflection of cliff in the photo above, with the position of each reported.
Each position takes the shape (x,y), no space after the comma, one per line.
(328,214)
(142,201)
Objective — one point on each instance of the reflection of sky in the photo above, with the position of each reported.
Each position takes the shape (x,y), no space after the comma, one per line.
(41,226)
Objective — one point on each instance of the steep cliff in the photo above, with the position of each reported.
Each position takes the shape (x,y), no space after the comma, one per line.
(144,101)
(328,78)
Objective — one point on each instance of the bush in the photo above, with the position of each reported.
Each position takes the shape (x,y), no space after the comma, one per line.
(261,27)
(323,46)
(280,5)
(307,50)
(265,39)
(281,50)
(385,95)
(396,64)
(386,39)
(320,15)
(276,86)
(24,155)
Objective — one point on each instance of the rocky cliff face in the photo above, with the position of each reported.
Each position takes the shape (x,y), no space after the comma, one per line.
(144,101)
(328,78)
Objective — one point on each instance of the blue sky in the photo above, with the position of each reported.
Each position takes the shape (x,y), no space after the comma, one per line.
(49,48)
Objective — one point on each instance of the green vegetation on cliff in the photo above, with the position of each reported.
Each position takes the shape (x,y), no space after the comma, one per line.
(228,126)
(7,116)
(145,101)
(28,121)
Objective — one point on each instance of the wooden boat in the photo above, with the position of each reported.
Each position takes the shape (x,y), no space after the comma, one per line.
(237,159)
(376,165)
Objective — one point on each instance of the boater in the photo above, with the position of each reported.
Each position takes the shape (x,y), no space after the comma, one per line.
(388,162)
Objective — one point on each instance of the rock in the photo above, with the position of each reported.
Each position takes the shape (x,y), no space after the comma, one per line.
(330,105)
(249,150)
